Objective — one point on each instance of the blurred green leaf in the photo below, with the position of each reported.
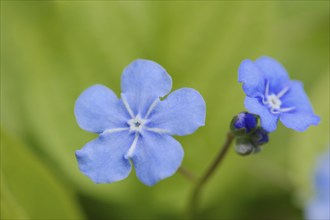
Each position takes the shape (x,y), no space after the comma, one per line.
(308,146)
(9,206)
(29,189)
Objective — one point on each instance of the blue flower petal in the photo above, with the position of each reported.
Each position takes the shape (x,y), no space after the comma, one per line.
(319,207)
(274,72)
(267,119)
(296,97)
(103,160)
(142,82)
(98,108)
(318,210)
(299,121)
(181,113)
(156,157)
(322,177)
(302,116)
(252,79)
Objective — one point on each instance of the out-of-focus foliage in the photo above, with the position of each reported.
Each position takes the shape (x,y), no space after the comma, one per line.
(28,189)
(52,50)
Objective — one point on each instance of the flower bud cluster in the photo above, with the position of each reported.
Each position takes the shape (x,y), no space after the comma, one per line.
(249,135)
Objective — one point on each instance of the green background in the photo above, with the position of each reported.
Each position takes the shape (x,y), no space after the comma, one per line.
(52,50)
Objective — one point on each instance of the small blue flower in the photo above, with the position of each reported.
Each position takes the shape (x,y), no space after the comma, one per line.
(319,207)
(137,128)
(272,95)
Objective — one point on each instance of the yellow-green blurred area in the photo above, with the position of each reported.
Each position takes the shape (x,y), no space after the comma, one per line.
(52,50)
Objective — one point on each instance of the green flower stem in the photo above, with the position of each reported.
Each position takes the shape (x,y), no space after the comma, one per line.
(194,199)
(186,173)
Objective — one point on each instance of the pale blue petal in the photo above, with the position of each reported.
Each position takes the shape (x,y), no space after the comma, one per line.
(181,113)
(267,119)
(274,72)
(103,160)
(322,177)
(297,97)
(252,79)
(318,210)
(302,116)
(156,157)
(98,108)
(319,207)
(298,121)
(142,82)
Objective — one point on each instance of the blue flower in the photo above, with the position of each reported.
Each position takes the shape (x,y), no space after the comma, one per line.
(319,207)
(137,128)
(272,95)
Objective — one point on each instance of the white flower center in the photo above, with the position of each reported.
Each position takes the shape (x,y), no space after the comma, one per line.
(136,124)
(274,102)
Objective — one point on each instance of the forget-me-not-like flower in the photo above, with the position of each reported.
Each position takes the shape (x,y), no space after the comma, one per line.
(137,128)
(319,207)
(273,96)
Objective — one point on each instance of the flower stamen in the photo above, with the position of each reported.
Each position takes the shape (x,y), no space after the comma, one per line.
(157,130)
(282,92)
(136,124)
(287,109)
(264,98)
(128,108)
(273,100)
(131,149)
(113,130)
(151,108)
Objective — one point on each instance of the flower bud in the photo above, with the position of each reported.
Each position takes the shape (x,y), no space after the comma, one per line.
(244,147)
(244,123)
(259,137)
